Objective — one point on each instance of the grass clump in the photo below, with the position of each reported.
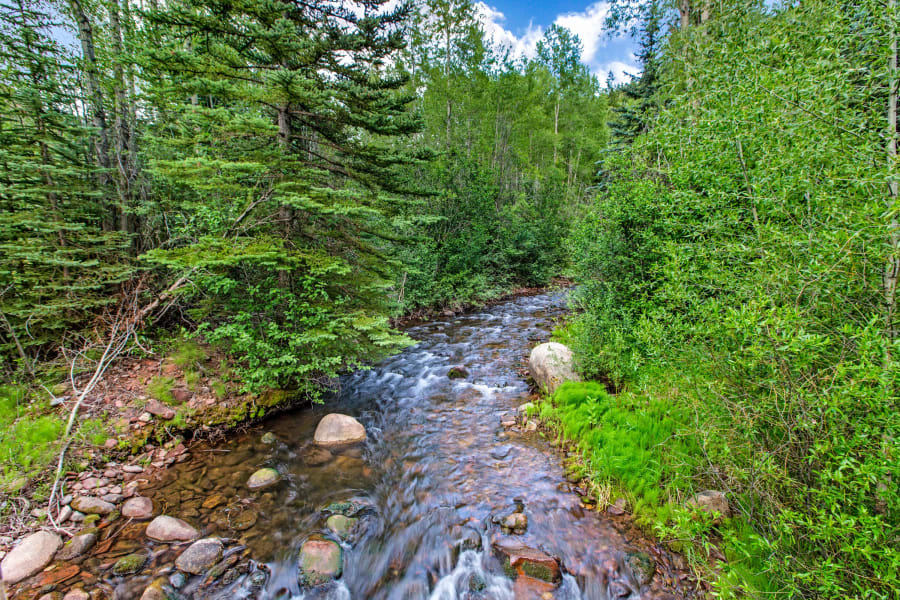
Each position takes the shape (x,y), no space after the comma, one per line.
(629,442)
(188,355)
(27,441)
(219,389)
(161,388)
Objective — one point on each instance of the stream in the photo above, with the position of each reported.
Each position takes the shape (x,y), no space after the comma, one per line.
(431,483)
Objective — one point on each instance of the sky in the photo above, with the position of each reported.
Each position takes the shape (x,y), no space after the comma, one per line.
(519,25)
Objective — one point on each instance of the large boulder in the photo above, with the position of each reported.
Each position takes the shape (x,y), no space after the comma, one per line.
(31,555)
(320,562)
(551,365)
(169,529)
(339,430)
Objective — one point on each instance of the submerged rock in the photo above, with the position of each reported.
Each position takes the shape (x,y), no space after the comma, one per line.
(77,546)
(158,590)
(551,365)
(169,529)
(348,508)
(263,478)
(200,556)
(342,526)
(130,564)
(268,438)
(515,523)
(457,372)
(316,456)
(642,566)
(31,555)
(138,508)
(338,430)
(320,562)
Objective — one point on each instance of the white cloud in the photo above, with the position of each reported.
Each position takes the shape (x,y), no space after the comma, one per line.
(492,21)
(621,71)
(588,25)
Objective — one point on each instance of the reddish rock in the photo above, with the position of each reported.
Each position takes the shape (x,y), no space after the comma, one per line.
(138,508)
(520,559)
(529,588)
(182,395)
(155,407)
(169,529)
(57,576)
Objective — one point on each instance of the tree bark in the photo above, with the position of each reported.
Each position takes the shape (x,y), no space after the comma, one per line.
(122,132)
(892,268)
(92,83)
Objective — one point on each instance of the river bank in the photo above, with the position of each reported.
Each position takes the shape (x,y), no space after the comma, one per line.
(438,467)
(145,413)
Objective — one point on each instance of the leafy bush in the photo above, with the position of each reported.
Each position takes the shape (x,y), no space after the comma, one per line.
(739,246)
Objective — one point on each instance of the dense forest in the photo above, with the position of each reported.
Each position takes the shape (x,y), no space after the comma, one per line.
(280,179)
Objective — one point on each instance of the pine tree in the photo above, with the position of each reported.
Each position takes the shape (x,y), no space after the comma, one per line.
(52,277)
(277,148)
(633,117)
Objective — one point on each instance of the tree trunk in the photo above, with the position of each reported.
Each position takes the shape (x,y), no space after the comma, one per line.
(684,11)
(555,129)
(892,268)
(285,213)
(120,107)
(92,82)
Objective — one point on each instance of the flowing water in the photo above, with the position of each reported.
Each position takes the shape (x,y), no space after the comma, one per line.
(437,472)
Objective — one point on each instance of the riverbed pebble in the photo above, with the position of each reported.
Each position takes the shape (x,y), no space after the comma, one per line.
(200,556)
(263,478)
(92,506)
(77,594)
(138,508)
(169,529)
(77,546)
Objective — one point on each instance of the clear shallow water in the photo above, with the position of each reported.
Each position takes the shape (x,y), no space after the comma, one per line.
(436,472)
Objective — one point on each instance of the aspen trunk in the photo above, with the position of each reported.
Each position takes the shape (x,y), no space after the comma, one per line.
(892,268)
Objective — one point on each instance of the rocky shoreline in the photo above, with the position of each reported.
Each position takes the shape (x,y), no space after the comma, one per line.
(114,530)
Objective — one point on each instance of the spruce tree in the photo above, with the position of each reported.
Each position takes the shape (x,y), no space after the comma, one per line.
(277,151)
(57,265)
